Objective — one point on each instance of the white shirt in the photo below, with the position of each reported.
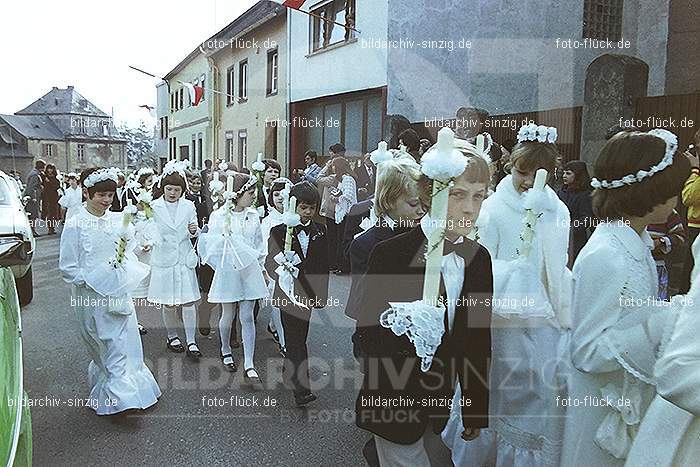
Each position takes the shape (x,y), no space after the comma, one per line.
(452,272)
(304,239)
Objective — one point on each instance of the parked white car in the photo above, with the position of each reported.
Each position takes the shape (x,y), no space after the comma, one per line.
(17,243)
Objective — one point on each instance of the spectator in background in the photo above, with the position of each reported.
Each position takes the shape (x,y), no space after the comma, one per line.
(310,174)
(34,190)
(425,144)
(576,194)
(411,142)
(691,198)
(667,237)
(339,193)
(205,176)
(365,176)
(50,211)
(271,173)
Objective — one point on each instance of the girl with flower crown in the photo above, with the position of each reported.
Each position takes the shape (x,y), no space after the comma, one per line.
(278,196)
(72,198)
(526,230)
(233,247)
(101,277)
(173,281)
(618,329)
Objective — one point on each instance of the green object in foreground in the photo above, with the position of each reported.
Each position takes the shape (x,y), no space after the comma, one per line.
(15,420)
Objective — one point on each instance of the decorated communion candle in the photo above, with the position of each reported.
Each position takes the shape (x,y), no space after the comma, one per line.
(291,209)
(229,183)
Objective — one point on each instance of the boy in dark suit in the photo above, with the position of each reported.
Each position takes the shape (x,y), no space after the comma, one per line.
(392,372)
(309,241)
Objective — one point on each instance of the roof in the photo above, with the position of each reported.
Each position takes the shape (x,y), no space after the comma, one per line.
(62,101)
(33,126)
(260,13)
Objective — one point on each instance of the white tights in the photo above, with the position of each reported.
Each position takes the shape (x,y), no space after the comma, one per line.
(247,329)
(189,319)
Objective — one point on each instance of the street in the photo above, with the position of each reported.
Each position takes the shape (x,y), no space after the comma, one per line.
(205,415)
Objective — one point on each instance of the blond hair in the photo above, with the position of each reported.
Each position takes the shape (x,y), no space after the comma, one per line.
(395,178)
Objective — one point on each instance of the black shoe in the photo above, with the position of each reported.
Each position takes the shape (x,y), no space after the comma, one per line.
(142,331)
(231,366)
(174,345)
(205,330)
(36,235)
(283,351)
(305,399)
(274,334)
(251,375)
(193,351)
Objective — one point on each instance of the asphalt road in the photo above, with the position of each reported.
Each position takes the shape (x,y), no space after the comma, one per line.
(196,421)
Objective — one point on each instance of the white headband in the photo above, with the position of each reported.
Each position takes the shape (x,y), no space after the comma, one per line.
(179,167)
(671,141)
(101,175)
(537,133)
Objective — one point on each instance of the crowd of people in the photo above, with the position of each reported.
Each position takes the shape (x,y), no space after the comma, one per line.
(556,328)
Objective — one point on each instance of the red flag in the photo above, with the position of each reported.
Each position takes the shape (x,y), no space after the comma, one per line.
(296,4)
(196,93)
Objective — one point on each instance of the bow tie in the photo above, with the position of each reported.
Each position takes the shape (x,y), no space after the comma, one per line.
(303,228)
(450,247)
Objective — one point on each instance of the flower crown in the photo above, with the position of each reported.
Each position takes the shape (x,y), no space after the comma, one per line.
(179,167)
(234,195)
(671,141)
(537,133)
(145,171)
(101,175)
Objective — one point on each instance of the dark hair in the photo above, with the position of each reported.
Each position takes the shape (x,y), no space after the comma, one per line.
(272,163)
(39,164)
(615,129)
(410,139)
(342,167)
(99,187)
(274,188)
(245,170)
(208,163)
(52,168)
(143,177)
(535,155)
(306,193)
(338,149)
(627,153)
(312,154)
(174,179)
(582,180)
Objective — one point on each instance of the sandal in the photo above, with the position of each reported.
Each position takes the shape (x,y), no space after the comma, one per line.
(174,345)
(229,366)
(142,331)
(274,334)
(193,351)
(283,351)
(251,375)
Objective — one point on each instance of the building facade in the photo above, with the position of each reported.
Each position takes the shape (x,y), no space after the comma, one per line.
(64,129)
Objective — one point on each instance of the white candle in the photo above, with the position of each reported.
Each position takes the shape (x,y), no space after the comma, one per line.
(293,204)
(382,146)
(540,179)
(481,143)
(215,176)
(260,157)
(291,209)
(229,184)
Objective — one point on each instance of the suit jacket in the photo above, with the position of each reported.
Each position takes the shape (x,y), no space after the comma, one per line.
(311,286)
(392,370)
(201,206)
(175,246)
(359,252)
(358,211)
(119,202)
(262,200)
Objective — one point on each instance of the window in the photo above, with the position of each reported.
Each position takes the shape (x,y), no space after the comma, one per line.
(81,125)
(229,85)
(48,150)
(204,88)
(81,153)
(602,19)
(229,146)
(181,99)
(242,148)
(325,31)
(200,150)
(193,150)
(163,127)
(173,148)
(271,140)
(105,129)
(243,81)
(272,71)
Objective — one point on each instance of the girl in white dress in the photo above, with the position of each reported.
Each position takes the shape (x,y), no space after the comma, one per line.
(173,282)
(100,294)
(675,411)
(279,189)
(233,247)
(529,336)
(617,323)
(72,198)
(134,188)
